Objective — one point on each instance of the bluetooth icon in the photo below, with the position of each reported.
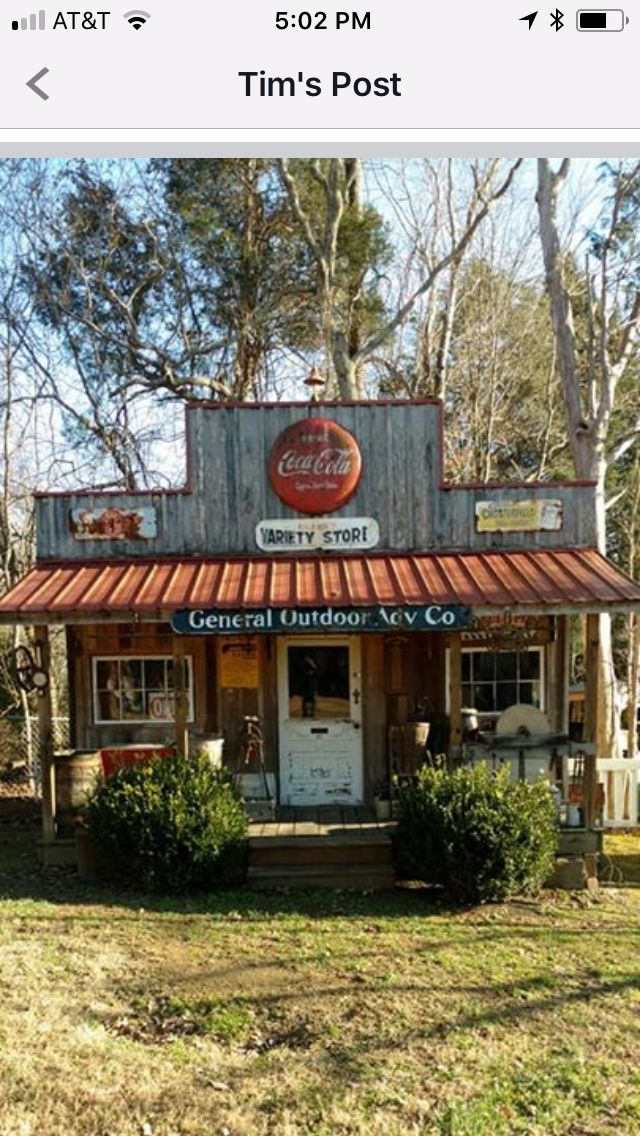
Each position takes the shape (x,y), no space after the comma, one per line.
(557,19)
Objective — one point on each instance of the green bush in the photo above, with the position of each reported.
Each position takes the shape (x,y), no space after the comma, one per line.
(170,824)
(481,836)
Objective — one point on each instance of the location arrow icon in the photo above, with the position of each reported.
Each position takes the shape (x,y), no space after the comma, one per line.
(530,18)
(33,83)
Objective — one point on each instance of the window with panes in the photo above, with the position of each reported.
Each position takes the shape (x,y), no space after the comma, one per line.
(493,680)
(137,689)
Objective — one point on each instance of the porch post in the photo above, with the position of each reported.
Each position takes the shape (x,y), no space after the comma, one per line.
(180,695)
(45,736)
(455,693)
(591,714)
(558,661)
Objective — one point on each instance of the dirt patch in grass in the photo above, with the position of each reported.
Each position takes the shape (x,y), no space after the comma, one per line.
(163,1019)
(322,1013)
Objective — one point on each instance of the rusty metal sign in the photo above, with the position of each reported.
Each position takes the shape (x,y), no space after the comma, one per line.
(113,523)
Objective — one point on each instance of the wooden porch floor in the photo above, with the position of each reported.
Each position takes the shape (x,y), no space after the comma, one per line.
(321,847)
(340,823)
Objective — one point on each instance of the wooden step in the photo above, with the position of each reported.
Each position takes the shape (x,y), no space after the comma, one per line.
(321,852)
(313,838)
(350,877)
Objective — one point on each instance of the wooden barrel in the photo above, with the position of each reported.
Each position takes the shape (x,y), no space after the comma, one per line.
(76,774)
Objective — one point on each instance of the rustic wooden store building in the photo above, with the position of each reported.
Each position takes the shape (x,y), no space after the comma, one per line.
(318,572)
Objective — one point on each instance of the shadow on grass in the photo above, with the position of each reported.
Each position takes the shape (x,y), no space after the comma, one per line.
(468,1008)
(22,877)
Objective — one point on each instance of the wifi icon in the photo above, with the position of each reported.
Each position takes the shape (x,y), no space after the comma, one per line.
(137,18)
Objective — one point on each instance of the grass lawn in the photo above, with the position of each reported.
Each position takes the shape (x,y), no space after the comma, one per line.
(319,1014)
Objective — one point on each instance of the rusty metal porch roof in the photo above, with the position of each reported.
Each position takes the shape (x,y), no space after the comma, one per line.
(531,582)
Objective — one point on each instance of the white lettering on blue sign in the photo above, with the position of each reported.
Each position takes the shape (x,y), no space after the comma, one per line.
(435,617)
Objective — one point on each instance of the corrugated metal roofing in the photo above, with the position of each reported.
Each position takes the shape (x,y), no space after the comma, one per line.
(550,580)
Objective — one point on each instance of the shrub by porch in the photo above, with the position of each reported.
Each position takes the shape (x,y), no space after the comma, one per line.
(169,824)
(481,837)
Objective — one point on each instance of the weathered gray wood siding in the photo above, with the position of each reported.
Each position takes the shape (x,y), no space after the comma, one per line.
(228,490)
(174,525)
(457,511)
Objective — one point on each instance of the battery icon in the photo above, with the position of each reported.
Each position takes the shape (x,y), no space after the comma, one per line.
(601,20)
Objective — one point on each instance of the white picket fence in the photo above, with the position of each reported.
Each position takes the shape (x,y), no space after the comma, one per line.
(620,778)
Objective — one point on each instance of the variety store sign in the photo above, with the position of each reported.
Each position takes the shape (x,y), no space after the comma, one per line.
(347,533)
(289,620)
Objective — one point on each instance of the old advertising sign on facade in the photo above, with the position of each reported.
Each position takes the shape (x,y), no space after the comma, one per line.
(519,516)
(315,465)
(113,524)
(239,667)
(161,706)
(218,621)
(352,533)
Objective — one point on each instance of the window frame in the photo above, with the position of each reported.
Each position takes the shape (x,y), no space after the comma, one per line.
(98,721)
(476,648)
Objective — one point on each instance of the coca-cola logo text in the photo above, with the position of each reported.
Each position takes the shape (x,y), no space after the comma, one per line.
(330,462)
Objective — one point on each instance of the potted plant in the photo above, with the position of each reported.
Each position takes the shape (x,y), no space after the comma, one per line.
(382,799)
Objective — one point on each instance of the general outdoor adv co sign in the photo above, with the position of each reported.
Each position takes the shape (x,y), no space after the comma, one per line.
(315,465)
(221,621)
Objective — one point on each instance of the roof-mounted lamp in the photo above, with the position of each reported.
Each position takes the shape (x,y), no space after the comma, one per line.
(316,383)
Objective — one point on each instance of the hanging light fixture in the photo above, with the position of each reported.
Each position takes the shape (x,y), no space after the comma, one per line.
(315,382)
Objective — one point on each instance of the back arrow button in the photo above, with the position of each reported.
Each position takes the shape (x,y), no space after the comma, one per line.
(33,83)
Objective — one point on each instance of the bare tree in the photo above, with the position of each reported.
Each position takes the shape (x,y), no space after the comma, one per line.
(632,516)
(347,355)
(590,386)
(592,375)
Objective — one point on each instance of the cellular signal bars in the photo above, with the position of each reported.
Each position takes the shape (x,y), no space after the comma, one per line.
(34,23)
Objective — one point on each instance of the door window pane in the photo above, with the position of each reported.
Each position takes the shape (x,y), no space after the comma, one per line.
(319,682)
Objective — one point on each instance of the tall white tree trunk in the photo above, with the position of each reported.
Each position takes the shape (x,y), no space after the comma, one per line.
(634,678)
(587,425)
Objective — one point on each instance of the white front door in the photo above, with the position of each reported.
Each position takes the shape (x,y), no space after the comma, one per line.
(320,712)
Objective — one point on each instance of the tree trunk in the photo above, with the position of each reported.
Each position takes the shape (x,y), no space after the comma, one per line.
(249,352)
(634,676)
(587,434)
(348,375)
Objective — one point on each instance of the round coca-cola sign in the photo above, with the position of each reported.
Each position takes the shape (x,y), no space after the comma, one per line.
(315,465)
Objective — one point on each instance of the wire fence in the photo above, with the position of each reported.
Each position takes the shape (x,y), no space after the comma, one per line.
(19,748)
